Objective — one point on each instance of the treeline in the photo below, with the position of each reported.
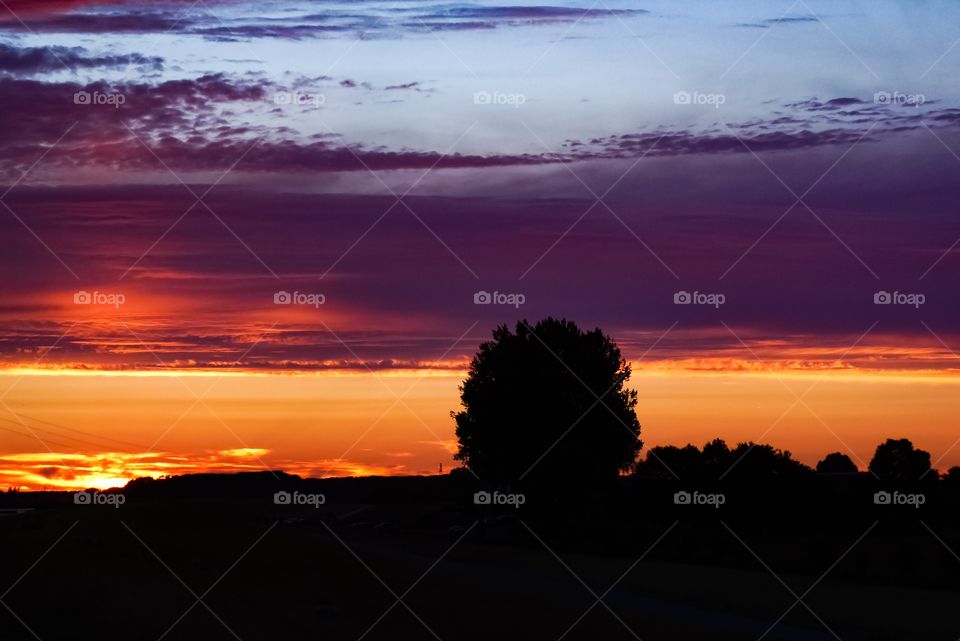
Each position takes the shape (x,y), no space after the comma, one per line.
(895,460)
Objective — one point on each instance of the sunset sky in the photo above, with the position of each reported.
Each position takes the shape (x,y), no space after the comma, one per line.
(247,235)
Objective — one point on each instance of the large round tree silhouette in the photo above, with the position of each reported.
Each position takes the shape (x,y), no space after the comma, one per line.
(546,404)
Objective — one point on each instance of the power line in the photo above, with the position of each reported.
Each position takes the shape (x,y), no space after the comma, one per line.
(45,431)
(71,429)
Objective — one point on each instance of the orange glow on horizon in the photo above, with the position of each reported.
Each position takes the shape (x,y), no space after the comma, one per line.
(75,429)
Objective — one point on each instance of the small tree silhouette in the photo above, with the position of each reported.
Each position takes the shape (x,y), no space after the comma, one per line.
(746,462)
(716,459)
(547,405)
(897,460)
(669,462)
(836,463)
(755,461)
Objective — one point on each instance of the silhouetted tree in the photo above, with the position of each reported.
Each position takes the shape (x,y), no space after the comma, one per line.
(753,461)
(897,460)
(746,462)
(836,463)
(716,459)
(953,474)
(670,462)
(531,410)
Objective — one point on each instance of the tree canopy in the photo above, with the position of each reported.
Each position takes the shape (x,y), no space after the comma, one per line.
(546,404)
(747,461)
(897,460)
(837,463)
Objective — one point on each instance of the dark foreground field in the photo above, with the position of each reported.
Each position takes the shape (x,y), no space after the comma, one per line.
(372,564)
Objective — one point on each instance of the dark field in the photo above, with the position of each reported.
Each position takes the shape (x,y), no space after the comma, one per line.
(218,563)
